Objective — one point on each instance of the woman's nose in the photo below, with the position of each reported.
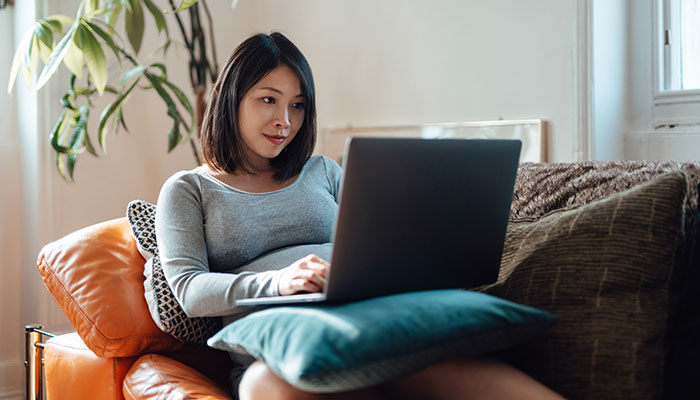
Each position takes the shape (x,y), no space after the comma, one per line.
(282,118)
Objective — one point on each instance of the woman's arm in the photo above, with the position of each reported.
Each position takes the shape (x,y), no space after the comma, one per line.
(183,252)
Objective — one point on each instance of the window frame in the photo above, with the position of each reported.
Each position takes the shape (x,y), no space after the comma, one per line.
(671,108)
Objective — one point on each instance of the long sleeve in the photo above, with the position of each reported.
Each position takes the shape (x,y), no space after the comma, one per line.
(183,252)
(218,244)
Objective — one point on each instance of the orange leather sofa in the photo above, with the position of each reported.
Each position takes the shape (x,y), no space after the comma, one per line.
(117,351)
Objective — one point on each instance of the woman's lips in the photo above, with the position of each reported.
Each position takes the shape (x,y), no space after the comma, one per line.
(276,139)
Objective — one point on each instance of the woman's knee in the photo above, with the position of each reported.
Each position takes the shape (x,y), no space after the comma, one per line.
(259,382)
(469,378)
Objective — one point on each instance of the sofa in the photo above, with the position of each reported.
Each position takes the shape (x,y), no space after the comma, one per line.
(608,247)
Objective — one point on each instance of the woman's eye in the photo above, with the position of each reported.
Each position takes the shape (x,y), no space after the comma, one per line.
(269,100)
(299,106)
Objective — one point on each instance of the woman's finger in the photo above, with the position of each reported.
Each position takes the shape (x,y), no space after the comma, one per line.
(316,277)
(319,260)
(315,267)
(305,285)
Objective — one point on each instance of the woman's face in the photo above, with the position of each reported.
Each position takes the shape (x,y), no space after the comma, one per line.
(270,115)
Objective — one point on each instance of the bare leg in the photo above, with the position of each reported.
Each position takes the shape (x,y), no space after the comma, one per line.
(469,379)
(259,382)
(452,380)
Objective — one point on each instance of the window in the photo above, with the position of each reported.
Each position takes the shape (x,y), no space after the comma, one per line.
(677,53)
(681,37)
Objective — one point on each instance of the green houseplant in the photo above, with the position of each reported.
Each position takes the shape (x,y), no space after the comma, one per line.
(90,43)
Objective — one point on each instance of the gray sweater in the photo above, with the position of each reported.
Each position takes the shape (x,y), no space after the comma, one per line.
(218,244)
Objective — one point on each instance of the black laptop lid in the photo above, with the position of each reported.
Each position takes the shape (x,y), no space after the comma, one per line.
(420,214)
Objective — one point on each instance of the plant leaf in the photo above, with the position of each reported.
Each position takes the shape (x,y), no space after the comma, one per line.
(113,14)
(183,100)
(106,37)
(163,70)
(155,82)
(16,61)
(157,16)
(121,119)
(95,14)
(53,24)
(94,57)
(131,73)
(33,60)
(44,51)
(77,139)
(57,132)
(135,25)
(91,6)
(126,4)
(110,89)
(66,101)
(57,54)
(88,144)
(63,20)
(108,111)
(180,95)
(174,136)
(185,5)
(74,60)
(59,166)
(234,3)
(44,32)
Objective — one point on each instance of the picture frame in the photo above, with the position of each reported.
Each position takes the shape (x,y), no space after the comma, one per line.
(532,133)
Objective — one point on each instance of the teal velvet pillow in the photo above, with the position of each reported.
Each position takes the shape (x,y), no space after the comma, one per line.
(328,348)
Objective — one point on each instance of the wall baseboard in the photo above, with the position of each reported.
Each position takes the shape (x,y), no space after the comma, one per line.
(12,376)
(671,145)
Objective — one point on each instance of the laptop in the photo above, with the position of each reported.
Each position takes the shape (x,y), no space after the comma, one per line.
(417,214)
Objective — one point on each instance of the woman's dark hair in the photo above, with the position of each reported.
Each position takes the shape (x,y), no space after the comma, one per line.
(221,141)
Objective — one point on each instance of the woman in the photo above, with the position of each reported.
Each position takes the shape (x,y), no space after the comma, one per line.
(256,220)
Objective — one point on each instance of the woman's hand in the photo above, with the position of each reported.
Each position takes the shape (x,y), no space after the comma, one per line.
(305,275)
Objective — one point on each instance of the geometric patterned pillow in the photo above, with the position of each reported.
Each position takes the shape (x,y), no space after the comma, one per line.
(164,307)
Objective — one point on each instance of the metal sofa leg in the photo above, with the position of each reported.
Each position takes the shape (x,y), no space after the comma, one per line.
(33,336)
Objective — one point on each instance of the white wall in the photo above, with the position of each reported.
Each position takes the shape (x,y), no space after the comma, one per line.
(375,62)
(398,62)
(10,350)
(610,83)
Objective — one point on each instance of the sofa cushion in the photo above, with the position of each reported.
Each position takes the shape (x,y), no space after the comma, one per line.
(326,348)
(156,377)
(96,277)
(544,187)
(74,372)
(682,372)
(605,269)
(162,304)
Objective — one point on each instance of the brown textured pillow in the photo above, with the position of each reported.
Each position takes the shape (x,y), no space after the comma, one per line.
(605,269)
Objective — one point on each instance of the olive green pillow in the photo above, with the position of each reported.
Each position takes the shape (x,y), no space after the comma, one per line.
(606,270)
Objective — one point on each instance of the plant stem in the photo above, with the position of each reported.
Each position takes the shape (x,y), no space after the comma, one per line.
(213,69)
(202,62)
(182,29)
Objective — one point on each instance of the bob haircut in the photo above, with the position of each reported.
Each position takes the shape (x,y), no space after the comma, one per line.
(221,141)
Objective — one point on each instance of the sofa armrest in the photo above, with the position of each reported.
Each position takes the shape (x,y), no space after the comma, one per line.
(74,372)
(96,277)
(158,377)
